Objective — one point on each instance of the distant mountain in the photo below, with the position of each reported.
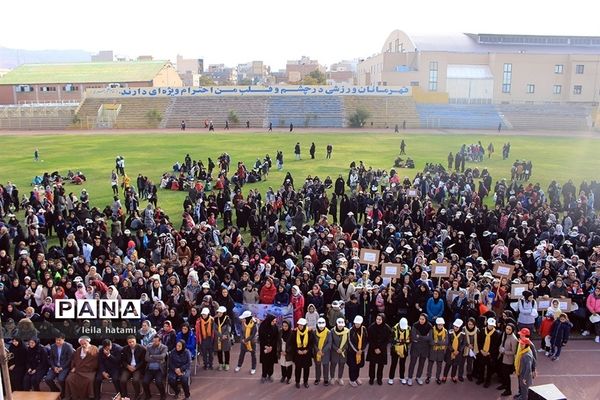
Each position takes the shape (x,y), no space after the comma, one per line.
(11,58)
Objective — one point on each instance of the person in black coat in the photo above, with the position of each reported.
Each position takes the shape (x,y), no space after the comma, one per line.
(109,366)
(357,343)
(17,364)
(268,338)
(133,364)
(37,365)
(379,337)
(312,150)
(489,351)
(300,345)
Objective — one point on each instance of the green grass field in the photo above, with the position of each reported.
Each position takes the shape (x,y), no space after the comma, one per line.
(152,154)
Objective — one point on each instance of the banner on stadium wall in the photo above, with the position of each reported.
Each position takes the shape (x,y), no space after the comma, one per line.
(260,311)
(250,91)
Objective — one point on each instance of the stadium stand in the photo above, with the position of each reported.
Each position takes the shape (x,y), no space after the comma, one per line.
(384,111)
(547,116)
(195,110)
(307,112)
(133,112)
(459,116)
(37,116)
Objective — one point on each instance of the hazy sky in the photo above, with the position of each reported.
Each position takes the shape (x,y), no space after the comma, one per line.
(237,31)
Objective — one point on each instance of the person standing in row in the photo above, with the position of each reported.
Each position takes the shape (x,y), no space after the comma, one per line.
(312,150)
(454,354)
(301,345)
(322,351)
(489,349)
(399,350)
(285,359)
(357,343)
(525,364)
(471,349)
(329,151)
(379,336)
(339,347)
(268,338)
(508,348)
(248,342)
(419,348)
(297,150)
(437,351)
(222,339)
(205,335)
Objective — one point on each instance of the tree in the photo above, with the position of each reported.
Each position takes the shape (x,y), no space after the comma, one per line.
(206,80)
(246,82)
(359,118)
(232,117)
(316,77)
(154,117)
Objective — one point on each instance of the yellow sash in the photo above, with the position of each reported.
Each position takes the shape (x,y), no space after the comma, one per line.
(359,353)
(488,340)
(344,335)
(437,337)
(522,350)
(401,335)
(247,333)
(220,330)
(322,338)
(302,339)
(471,336)
(455,343)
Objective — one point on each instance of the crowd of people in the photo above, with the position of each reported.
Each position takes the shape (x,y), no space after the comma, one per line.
(299,246)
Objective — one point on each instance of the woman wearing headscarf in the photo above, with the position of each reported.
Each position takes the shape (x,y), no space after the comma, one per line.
(489,349)
(357,343)
(379,336)
(17,363)
(222,339)
(419,348)
(322,351)
(399,350)
(300,345)
(268,339)
(36,363)
(84,364)
(188,337)
(285,360)
(471,349)
(454,352)
(248,342)
(339,347)
(297,302)
(180,361)
(146,333)
(508,348)
(437,351)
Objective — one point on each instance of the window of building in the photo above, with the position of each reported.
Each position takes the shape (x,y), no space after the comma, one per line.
(558,68)
(24,89)
(579,69)
(70,88)
(530,88)
(414,83)
(433,76)
(577,89)
(557,89)
(506,78)
(48,89)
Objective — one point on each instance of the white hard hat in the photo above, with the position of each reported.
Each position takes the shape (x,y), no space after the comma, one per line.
(358,319)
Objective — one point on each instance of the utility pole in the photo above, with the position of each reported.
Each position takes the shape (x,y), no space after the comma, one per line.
(4,367)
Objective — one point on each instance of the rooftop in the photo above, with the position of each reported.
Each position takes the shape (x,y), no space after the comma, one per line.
(95,72)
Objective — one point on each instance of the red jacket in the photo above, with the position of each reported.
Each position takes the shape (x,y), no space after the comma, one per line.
(267,293)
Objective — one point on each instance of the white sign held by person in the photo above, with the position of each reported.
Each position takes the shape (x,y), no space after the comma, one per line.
(97,309)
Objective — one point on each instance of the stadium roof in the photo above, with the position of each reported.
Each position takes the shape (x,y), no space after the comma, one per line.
(95,72)
(399,41)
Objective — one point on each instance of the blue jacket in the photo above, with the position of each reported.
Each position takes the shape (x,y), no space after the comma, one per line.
(560,332)
(434,310)
(181,360)
(190,344)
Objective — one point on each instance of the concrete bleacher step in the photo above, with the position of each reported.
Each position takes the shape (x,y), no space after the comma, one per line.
(385,112)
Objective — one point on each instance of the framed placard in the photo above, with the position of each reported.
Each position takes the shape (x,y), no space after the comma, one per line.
(543,303)
(441,270)
(369,256)
(517,289)
(564,305)
(413,193)
(503,270)
(391,270)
